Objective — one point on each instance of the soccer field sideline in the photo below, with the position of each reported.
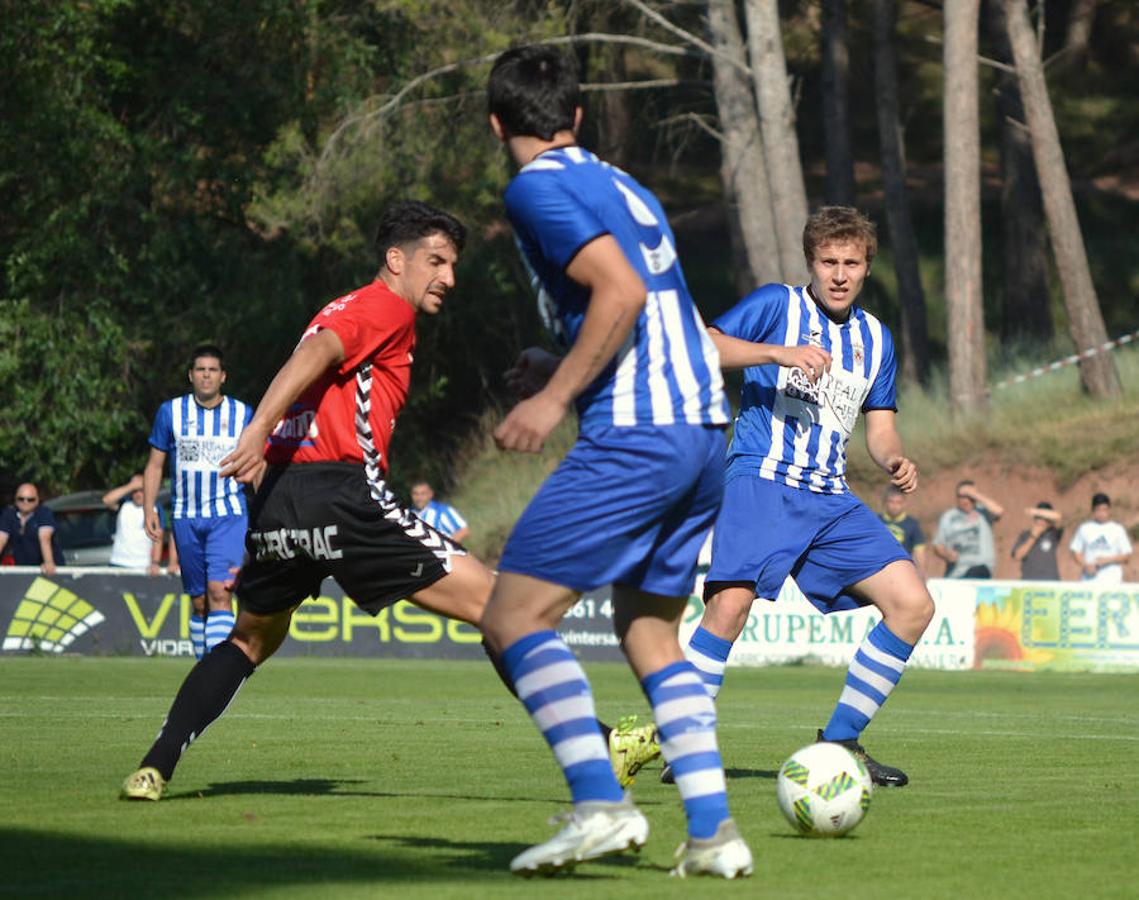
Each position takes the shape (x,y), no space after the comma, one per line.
(361,755)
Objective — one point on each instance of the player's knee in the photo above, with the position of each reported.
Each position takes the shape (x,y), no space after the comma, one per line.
(916,610)
(726,612)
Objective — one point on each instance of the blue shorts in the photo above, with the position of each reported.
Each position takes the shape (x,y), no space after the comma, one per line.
(826,542)
(628,506)
(208,549)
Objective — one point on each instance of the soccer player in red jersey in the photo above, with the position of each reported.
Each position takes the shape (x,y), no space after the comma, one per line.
(322,507)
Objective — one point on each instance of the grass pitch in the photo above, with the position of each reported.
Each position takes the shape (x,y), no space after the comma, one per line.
(423,779)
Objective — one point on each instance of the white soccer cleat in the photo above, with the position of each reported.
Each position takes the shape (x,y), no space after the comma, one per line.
(724,854)
(591,830)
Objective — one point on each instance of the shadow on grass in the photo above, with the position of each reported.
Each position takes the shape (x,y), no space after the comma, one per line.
(338,787)
(769,774)
(38,863)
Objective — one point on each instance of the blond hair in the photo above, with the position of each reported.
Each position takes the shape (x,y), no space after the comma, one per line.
(831,224)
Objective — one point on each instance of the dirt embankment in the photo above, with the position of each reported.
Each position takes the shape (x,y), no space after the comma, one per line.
(1017,488)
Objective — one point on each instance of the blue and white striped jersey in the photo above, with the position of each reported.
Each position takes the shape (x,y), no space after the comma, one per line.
(196,440)
(668,371)
(442,517)
(789,430)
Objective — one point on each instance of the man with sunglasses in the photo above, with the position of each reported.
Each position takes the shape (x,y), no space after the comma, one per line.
(27,532)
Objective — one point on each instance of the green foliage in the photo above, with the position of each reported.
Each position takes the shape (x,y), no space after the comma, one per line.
(71,409)
(173,171)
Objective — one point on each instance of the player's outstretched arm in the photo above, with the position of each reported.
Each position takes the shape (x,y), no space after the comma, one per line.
(616,297)
(885,447)
(737,353)
(309,361)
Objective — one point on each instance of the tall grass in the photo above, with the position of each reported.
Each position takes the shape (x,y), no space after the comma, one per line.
(1047,421)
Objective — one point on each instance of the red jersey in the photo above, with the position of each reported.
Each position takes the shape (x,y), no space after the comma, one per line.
(348,414)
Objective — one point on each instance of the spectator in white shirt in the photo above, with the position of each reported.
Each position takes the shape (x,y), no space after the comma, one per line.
(1101,546)
(133,548)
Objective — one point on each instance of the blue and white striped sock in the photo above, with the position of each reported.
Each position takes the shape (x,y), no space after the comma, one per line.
(709,654)
(552,685)
(218,626)
(876,668)
(686,719)
(198,635)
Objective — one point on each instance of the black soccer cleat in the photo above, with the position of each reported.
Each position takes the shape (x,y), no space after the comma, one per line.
(884,776)
(666,776)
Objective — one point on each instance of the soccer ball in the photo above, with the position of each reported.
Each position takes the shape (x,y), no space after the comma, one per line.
(824,790)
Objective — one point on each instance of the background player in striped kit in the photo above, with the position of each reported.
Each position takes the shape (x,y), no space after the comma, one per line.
(436,513)
(632,501)
(813,360)
(209,515)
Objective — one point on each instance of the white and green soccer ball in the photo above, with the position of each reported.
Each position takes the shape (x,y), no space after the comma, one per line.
(824,790)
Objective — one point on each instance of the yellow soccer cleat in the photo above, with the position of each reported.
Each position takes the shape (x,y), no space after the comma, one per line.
(631,747)
(145,784)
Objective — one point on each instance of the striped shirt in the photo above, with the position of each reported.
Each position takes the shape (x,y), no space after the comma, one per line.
(442,517)
(196,439)
(668,371)
(789,430)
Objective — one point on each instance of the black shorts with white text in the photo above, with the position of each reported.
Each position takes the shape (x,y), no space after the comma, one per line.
(310,521)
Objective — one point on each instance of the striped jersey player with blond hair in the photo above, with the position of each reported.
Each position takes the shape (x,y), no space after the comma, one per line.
(813,361)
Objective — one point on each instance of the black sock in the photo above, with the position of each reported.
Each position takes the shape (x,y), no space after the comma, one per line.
(204,696)
(502,673)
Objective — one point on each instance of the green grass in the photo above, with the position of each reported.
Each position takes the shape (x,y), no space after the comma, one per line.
(365,778)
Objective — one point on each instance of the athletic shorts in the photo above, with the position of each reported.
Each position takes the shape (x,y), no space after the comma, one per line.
(628,506)
(310,521)
(209,549)
(826,542)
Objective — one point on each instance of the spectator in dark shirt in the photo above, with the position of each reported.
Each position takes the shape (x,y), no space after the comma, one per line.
(904,527)
(1035,549)
(27,532)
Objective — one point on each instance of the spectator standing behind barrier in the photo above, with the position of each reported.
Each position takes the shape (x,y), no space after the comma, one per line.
(1035,549)
(27,532)
(964,536)
(1101,546)
(439,515)
(906,530)
(133,548)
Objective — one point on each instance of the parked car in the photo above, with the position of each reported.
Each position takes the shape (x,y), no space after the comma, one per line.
(85,528)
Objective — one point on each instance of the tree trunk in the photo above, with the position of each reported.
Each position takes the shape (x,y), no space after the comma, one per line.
(743,170)
(777,128)
(616,114)
(1079,36)
(840,187)
(911,297)
(1027,311)
(1098,372)
(963,300)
